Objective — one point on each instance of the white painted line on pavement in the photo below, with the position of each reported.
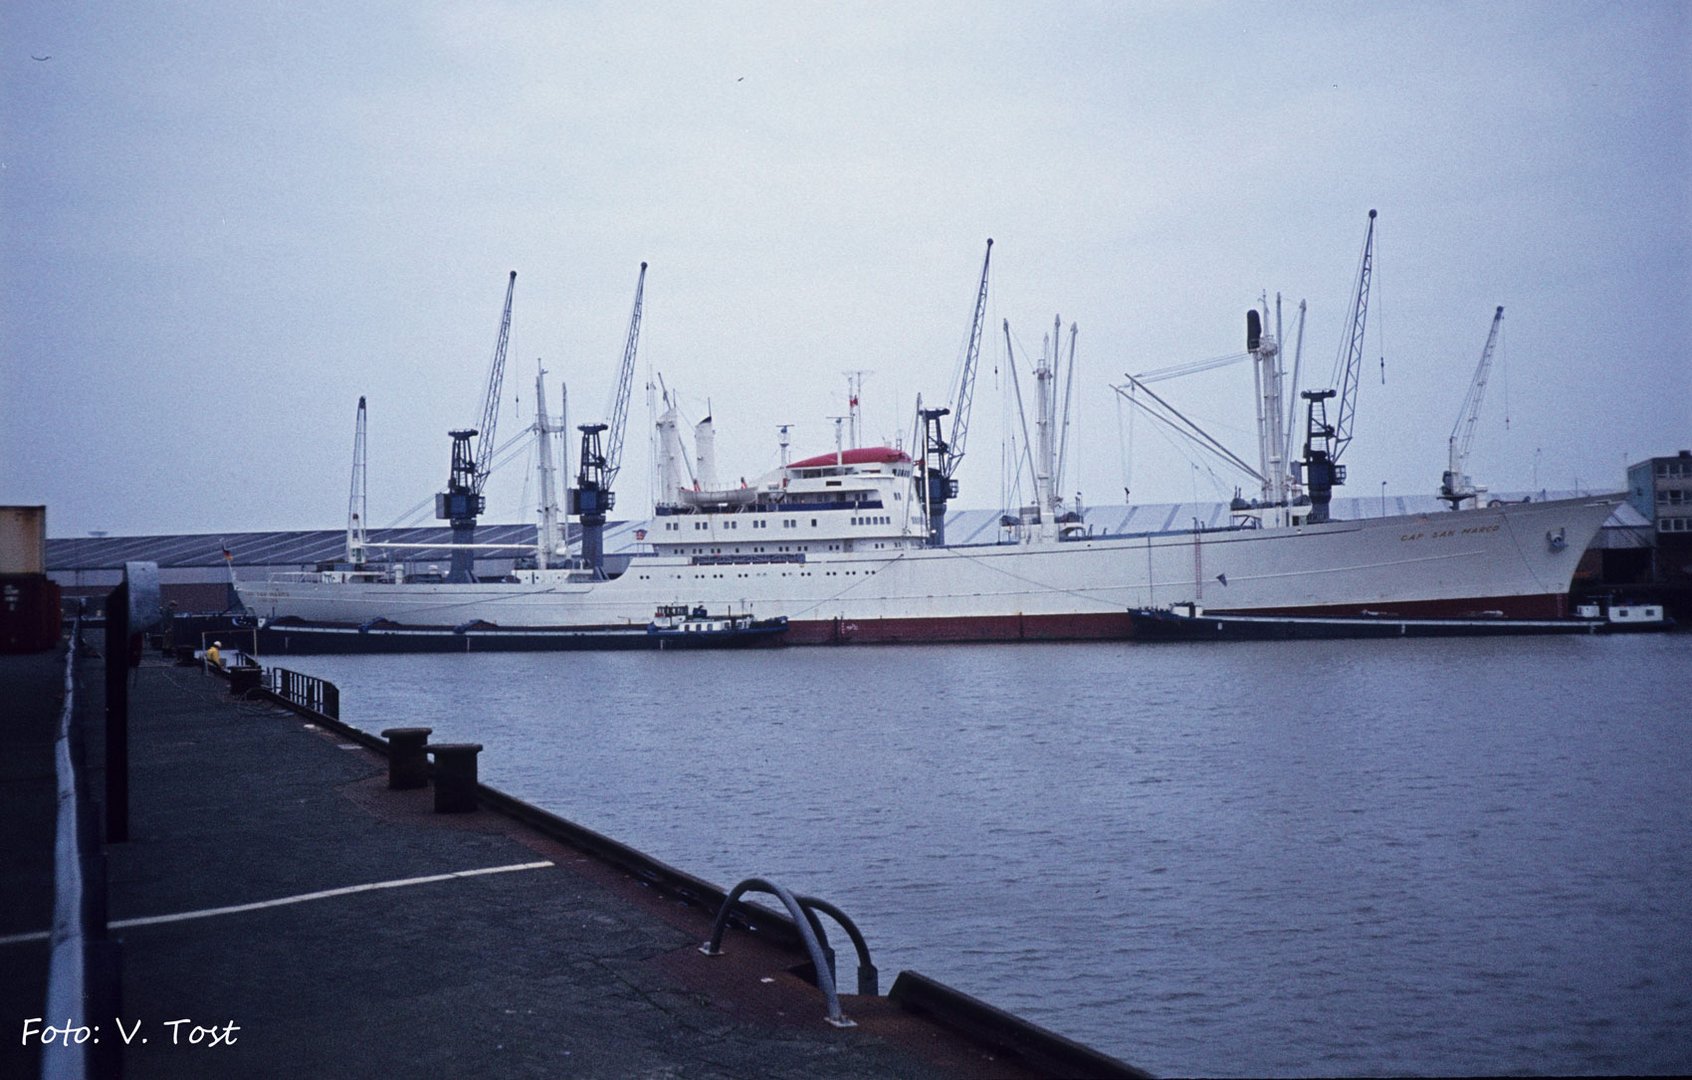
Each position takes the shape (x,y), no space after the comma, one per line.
(151,920)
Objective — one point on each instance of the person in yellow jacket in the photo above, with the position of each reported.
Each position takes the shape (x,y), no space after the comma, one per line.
(214,655)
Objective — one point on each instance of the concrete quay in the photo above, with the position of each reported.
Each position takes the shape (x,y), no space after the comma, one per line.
(282,912)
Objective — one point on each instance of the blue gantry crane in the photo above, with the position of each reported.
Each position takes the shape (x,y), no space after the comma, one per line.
(462,502)
(941,456)
(592,499)
(1324,442)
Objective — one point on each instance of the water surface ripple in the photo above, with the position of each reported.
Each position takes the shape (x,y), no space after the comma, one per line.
(1373,858)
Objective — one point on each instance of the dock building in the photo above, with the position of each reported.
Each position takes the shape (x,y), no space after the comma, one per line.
(1660,490)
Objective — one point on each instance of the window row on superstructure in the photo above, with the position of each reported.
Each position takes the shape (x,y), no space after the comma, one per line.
(811,503)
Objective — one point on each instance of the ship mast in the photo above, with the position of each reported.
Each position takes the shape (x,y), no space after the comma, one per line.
(547,542)
(671,455)
(1061,469)
(1267,369)
(854,394)
(1045,454)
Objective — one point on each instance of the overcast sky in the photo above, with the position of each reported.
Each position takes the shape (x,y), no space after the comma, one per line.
(225,222)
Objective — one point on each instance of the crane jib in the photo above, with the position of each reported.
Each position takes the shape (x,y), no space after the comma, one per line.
(965,392)
(1353,358)
(625,382)
(490,404)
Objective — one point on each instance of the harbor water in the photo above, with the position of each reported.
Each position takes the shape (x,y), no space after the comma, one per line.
(1293,858)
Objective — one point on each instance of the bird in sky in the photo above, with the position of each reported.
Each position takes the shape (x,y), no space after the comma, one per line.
(32,56)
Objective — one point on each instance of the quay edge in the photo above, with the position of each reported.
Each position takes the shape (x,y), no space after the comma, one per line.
(913,1000)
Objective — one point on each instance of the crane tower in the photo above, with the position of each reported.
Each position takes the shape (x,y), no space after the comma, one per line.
(940,456)
(1455,487)
(592,499)
(462,502)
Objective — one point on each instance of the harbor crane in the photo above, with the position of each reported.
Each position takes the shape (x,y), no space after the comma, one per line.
(462,502)
(941,456)
(1455,487)
(1324,443)
(592,499)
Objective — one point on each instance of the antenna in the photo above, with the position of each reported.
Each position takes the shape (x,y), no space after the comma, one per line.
(854,392)
(839,445)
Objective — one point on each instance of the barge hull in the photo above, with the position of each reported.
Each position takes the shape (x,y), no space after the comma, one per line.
(306,639)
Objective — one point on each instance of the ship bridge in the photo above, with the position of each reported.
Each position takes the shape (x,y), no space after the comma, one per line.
(860,499)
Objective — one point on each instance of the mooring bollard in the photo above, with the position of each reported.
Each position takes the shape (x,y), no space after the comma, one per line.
(244,680)
(455,776)
(408,762)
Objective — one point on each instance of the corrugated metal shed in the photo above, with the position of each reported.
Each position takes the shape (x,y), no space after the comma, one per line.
(302,549)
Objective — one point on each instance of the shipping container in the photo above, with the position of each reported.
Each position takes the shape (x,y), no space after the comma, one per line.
(23,539)
(29,613)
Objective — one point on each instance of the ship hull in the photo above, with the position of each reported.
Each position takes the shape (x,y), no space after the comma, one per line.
(1516,561)
(1159,625)
(318,639)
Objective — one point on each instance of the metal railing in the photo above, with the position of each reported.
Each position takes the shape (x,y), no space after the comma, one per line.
(66,970)
(304,691)
(869,979)
(802,909)
(83,965)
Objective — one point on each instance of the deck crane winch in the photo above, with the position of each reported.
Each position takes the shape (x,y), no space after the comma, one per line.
(941,457)
(1455,486)
(593,498)
(462,502)
(1323,444)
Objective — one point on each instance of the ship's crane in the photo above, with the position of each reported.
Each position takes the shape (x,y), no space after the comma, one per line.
(1358,317)
(357,503)
(462,502)
(1324,443)
(593,498)
(1456,487)
(940,456)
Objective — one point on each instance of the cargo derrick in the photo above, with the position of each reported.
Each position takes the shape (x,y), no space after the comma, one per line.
(462,502)
(941,457)
(592,499)
(1324,443)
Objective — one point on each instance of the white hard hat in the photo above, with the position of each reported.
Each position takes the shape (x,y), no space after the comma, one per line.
(217,644)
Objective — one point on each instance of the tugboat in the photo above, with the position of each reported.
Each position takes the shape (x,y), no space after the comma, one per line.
(1189,622)
(674,627)
(1623,617)
(678,626)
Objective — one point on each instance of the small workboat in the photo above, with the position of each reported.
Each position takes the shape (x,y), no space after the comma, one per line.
(681,626)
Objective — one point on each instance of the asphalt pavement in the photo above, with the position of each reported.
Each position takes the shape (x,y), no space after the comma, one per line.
(281,912)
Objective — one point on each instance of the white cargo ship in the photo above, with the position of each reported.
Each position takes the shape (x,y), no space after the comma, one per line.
(849,546)
(838,545)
